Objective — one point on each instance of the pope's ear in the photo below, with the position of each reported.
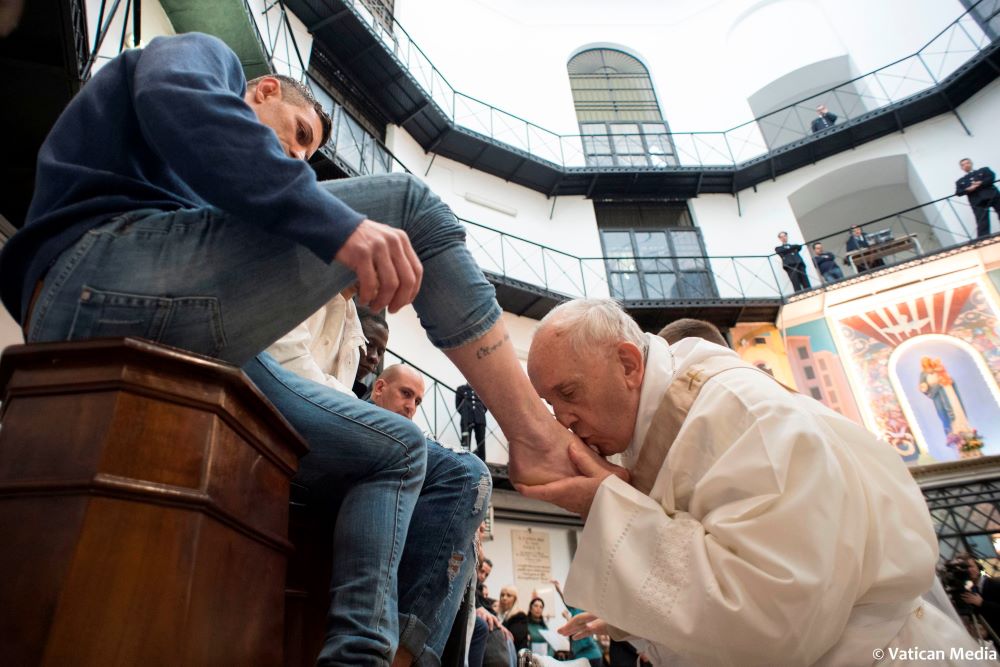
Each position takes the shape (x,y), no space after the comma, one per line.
(631,359)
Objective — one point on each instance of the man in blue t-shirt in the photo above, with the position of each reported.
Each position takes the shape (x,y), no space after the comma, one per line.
(173,202)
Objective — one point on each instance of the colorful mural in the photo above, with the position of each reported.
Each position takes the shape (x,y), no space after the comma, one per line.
(930,368)
(759,343)
(817,368)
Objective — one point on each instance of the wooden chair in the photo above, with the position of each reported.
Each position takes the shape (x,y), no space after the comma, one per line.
(143,508)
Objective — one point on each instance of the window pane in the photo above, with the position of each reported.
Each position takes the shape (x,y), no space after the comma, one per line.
(627,286)
(651,243)
(596,145)
(696,284)
(661,285)
(631,144)
(688,244)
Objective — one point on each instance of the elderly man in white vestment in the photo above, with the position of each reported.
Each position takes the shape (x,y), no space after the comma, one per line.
(760,527)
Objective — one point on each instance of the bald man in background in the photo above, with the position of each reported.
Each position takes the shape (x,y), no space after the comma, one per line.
(399,389)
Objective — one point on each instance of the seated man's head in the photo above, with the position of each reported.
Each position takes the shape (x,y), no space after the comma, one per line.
(483,571)
(818,248)
(289,108)
(376,331)
(587,362)
(856,231)
(690,328)
(399,389)
(783,237)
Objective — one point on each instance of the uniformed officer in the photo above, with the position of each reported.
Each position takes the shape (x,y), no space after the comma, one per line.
(978,186)
(472,412)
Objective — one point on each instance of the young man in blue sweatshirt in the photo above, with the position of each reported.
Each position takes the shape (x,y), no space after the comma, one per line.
(173,203)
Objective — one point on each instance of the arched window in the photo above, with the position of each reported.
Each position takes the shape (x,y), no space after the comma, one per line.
(617,110)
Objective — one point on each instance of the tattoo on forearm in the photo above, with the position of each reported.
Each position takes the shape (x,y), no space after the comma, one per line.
(485,350)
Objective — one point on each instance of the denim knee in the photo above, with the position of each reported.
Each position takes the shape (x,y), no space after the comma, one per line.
(479,482)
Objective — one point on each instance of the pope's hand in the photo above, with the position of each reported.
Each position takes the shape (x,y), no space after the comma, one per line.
(576,494)
(387,267)
(584,625)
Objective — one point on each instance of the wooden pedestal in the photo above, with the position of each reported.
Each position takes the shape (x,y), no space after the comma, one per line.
(143,509)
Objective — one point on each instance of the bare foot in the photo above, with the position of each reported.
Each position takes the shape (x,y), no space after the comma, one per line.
(542,459)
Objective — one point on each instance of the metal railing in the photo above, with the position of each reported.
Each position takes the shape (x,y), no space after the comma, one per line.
(438,416)
(940,57)
(930,227)
(350,147)
(941,223)
(664,277)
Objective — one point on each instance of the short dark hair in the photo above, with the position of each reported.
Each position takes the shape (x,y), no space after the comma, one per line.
(690,328)
(366,314)
(816,244)
(486,561)
(964,159)
(780,233)
(299,94)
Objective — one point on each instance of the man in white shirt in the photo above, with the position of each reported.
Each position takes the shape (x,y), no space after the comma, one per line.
(760,527)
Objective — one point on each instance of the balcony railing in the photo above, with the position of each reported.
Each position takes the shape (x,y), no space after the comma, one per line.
(943,223)
(962,40)
(661,277)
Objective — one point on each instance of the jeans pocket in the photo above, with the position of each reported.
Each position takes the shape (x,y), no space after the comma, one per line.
(191,323)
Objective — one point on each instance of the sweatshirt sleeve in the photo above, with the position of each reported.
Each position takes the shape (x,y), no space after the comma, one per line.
(188,96)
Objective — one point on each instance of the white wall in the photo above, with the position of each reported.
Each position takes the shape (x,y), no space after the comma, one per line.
(536,217)
(513,54)
(500,551)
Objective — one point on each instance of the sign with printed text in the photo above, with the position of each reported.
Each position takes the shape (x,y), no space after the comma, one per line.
(532,560)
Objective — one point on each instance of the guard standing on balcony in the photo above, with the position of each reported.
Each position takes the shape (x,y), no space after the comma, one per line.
(978,186)
(824,119)
(792,262)
(472,411)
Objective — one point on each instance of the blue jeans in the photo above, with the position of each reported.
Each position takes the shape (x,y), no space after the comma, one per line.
(369,463)
(833,275)
(205,281)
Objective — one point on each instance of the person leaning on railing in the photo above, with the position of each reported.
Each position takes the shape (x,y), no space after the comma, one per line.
(978,186)
(826,264)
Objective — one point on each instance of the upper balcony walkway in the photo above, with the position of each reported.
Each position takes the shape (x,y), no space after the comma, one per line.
(646,160)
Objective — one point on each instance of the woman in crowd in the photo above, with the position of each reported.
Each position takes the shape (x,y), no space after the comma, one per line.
(536,621)
(513,617)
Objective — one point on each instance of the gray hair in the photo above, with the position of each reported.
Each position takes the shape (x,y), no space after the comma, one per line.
(590,324)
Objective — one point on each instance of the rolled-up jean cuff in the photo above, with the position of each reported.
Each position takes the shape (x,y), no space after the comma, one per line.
(472,332)
(413,636)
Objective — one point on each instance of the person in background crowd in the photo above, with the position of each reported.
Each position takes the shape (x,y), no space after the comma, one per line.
(826,264)
(687,327)
(585,647)
(856,241)
(399,389)
(978,186)
(792,262)
(536,623)
(514,618)
(823,120)
(376,333)
(472,415)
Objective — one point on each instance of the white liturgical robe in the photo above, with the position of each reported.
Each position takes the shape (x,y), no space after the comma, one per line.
(774,531)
